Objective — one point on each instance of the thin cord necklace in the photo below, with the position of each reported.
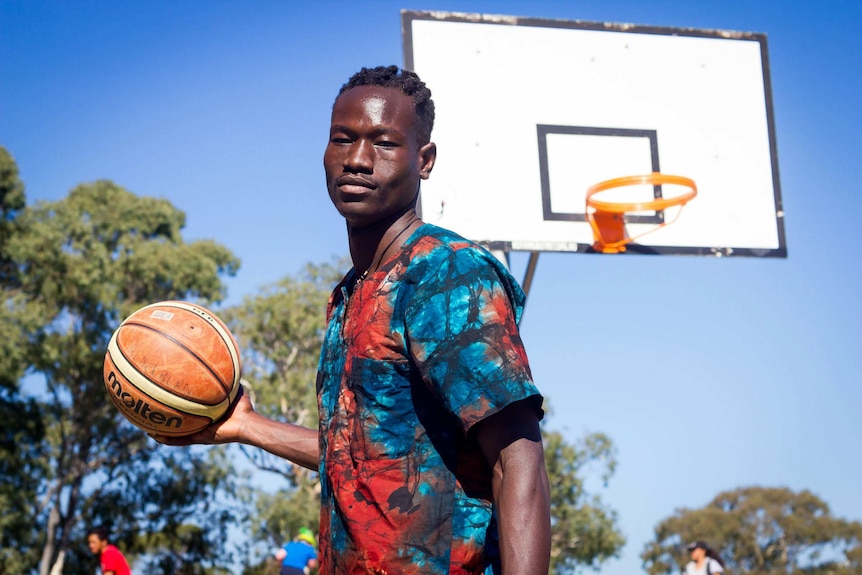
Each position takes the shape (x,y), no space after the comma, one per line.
(386,249)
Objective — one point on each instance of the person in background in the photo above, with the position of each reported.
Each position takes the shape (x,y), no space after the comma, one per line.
(298,557)
(704,560)
(111,559)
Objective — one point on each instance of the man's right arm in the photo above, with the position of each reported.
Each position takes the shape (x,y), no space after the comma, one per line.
(243,424)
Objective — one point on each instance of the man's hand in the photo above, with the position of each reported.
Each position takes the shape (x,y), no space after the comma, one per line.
(228,429)
(512,443)
(242,424)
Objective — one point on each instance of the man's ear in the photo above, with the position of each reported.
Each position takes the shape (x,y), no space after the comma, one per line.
(427,157)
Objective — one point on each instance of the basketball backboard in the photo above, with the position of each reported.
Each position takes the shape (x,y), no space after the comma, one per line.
(532,112)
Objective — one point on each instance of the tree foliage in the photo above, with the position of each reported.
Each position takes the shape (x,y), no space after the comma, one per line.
(15,315)
(769,530)
(584,531)
(74,269)
(22,468)
(12,201)
(280,331)
(21,428)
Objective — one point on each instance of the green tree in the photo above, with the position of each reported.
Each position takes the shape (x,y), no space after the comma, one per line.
(15,315)
(12,201)
(280,331)
(80,266)
(21,429)
(769,530)
(21,469)
(584,530)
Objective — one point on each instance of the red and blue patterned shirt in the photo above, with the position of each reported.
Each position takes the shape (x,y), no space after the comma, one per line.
(414,356)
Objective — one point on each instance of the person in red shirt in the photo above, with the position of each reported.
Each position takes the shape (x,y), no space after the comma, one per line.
(111,559)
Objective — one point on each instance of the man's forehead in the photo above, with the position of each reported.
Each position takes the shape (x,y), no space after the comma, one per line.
(376,103)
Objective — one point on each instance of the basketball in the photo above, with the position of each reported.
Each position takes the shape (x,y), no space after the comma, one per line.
(172,368)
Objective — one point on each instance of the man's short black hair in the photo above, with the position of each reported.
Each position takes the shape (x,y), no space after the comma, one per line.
(99,532)
(409,84)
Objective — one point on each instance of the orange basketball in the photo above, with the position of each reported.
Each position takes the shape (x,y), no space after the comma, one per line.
(172,368)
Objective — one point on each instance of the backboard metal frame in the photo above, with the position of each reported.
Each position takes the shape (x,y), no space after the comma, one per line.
(543,131)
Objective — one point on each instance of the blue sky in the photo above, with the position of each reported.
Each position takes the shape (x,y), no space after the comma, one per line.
(708,374)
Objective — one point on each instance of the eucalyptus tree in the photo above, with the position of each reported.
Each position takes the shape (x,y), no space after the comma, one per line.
(280,330)
(585,530)
(769,530)
(21,429)
(79,265)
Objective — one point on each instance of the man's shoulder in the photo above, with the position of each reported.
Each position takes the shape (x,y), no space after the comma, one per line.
(442,259)
(434,243)
(444,238)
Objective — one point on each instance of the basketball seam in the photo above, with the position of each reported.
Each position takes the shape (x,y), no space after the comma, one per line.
(191,352)
(222,330)
(152,389)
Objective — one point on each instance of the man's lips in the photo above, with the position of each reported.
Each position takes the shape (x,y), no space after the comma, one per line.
(352,184)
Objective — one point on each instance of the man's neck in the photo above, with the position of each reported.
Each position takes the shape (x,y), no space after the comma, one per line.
(368,246)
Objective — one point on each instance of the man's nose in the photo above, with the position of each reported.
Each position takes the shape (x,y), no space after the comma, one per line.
(360,157)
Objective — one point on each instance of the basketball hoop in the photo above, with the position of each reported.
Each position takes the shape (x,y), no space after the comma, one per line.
(608,218)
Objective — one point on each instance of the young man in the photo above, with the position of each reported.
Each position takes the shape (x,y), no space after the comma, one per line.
(111,560)
(429,448)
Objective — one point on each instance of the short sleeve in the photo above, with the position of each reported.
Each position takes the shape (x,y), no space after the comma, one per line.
(112,561)
(463,334)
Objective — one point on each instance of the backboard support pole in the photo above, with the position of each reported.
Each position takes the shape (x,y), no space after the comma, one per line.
(531,271)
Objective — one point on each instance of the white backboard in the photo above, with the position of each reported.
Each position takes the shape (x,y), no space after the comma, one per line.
(532,112)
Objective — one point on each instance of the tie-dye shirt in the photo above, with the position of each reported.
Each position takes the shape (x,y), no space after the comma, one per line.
(414,356)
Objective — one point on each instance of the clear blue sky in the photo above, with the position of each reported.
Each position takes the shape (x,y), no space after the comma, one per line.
(708,374)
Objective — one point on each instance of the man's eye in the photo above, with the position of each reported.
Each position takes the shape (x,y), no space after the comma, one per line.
(339,140)
(387,144)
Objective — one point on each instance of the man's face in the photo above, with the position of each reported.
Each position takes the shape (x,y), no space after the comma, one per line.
(373,160)
(95,544)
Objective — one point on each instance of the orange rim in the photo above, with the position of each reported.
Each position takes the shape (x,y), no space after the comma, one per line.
(607,219)
(654,179)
